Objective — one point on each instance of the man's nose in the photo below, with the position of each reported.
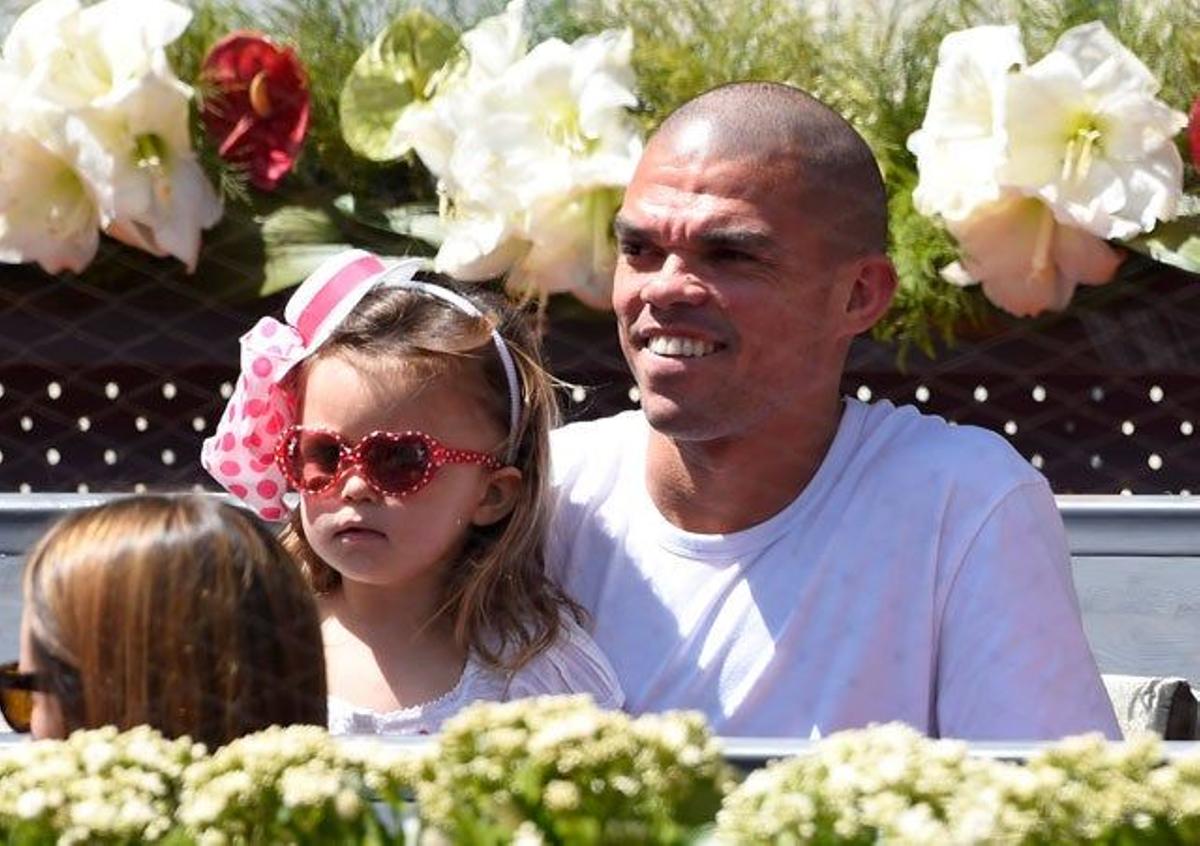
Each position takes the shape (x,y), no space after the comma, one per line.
(674,283)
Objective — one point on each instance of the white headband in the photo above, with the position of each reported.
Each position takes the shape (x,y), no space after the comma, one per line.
(467,307)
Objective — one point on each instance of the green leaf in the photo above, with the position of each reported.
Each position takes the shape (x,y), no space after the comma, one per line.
(298,224)
(413,220)
(296,240)
(391,74)
(1176,242)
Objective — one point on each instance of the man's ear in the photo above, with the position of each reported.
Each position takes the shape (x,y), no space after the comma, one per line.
(871,290)
(499,496)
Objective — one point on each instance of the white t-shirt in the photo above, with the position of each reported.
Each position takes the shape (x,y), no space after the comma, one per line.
(922,575)
(572,664)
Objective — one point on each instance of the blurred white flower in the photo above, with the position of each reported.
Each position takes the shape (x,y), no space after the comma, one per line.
(31,803)
(478,245)
(1087,135)
(960,145)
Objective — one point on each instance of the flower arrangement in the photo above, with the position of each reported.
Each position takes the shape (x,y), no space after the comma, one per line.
(885,784)
(559,770)
(1034,168)
(889,784)
(527,147)
(530,147)
(96,136)
(293,785)
(95,787)
(500,147)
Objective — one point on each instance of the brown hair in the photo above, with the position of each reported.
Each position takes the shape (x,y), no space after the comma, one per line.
(503,605)
(183,613)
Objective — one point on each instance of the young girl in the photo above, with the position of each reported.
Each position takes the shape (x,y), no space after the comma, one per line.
(412,417)
(183,613)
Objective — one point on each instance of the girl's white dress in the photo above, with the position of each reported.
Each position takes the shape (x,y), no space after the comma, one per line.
(573,664)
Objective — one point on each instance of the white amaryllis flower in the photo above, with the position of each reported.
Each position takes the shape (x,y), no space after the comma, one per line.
(1030,168)
(47,212)
(1086,134)
(429,126)
(101,135)
(1025,259)
(570,248)
(136,153)
(74,55)
(535,163)
(478,245)
(961,145)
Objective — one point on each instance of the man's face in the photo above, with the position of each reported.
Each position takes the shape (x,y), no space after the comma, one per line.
(728,308)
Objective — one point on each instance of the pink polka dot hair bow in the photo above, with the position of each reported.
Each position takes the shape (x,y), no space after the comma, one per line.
(240,455)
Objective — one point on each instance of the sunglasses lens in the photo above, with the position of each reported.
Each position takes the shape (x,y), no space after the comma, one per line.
(16,705)
(314,458)
(17,708)
(395,465)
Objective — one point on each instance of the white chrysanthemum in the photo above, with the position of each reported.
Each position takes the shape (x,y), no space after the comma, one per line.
(31,803)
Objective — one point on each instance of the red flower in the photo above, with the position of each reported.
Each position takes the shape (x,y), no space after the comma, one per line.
(1194,132)
(256,105)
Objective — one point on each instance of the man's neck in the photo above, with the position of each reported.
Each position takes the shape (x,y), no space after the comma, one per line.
(730,484)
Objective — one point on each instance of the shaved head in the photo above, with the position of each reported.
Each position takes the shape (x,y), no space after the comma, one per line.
(828,164)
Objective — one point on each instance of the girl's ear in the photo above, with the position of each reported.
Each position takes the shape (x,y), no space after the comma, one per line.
(499,496)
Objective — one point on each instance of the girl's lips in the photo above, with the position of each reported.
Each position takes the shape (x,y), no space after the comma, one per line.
(351,534)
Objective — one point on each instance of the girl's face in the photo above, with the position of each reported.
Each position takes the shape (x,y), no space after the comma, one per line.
(388,540)
(46,720)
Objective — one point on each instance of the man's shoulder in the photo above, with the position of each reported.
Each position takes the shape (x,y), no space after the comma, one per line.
(925,448)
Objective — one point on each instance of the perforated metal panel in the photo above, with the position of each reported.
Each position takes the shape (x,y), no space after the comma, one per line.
(110,382)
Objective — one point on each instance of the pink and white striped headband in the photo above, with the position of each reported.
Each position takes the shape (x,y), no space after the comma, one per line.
(240,454)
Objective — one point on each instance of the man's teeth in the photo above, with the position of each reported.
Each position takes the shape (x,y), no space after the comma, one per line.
(680,347)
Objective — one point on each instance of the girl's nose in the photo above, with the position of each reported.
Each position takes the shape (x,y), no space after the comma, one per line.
(354,488)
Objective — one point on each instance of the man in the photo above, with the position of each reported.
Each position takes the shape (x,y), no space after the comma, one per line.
(750,543)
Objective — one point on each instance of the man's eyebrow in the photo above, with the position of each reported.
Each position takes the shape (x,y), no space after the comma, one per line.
(627,231)
(734,238)
(714,238)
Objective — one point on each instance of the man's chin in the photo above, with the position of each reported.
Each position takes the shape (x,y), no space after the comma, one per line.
(681,420)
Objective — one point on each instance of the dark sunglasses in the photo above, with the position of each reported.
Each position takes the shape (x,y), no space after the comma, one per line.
(392,463)
(16,695)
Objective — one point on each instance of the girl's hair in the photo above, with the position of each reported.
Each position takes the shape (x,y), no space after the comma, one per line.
(183,613)
(503,605)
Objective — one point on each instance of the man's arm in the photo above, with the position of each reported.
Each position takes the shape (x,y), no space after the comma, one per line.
(1013,662)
